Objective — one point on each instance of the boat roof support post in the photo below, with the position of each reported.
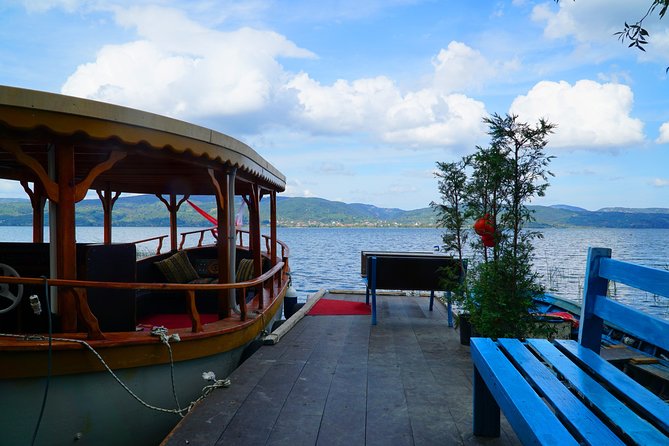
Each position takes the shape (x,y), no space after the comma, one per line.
(173,222)
(38,201)
(254,228)
(232,233)
(272,230)
(224,187)
(108,202)
(65,230)
(173,208)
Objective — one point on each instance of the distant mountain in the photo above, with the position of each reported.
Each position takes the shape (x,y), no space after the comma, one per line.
(147,210)
(567,207)
(636,210)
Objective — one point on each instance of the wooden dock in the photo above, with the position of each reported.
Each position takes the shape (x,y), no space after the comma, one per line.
(337,380)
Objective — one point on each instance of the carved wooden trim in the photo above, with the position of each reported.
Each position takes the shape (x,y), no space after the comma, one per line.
(82,187)
(50,186)
(217,187)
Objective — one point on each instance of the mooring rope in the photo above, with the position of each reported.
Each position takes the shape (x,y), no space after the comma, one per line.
(162,333)
(206,390)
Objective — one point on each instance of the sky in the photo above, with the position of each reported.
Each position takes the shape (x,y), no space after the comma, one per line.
(356,101)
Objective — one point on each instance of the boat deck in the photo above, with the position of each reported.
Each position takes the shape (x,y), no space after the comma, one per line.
(337,380)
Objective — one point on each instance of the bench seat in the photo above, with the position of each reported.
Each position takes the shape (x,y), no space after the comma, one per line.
(565,392)
(561,393)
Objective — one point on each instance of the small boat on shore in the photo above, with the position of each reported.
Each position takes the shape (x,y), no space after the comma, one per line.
(100,347)
(645,362)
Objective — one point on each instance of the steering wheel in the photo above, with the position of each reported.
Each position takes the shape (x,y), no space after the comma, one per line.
(11,291)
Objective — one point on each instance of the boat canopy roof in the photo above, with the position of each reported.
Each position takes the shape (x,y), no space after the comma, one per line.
(149,153)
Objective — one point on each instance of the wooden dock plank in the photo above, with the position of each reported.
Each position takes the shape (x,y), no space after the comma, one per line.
(336,380)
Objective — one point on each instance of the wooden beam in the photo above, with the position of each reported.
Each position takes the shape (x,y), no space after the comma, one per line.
(66,245)
(173,208)
(272,230)
(254,229)
(221,183)
(108,202)
(37,201)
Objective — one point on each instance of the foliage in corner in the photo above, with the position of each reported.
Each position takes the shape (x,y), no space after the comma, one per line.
(497,182)
(635,32)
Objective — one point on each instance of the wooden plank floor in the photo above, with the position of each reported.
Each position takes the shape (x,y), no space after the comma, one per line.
(336,380)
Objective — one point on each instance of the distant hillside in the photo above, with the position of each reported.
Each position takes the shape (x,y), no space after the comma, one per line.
(147,210)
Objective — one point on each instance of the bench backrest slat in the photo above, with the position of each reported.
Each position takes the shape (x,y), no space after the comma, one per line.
(637,323)
(651,280)
(597,308)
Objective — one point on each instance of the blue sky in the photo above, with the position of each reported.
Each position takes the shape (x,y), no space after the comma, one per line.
(357,100)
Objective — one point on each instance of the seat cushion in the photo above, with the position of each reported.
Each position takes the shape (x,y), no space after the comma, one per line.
(177,268)
(244,270)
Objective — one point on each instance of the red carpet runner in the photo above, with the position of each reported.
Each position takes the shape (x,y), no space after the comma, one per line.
(333,307)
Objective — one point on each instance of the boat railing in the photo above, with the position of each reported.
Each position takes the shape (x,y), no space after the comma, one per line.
(268,285)
(201,233)
(159,238)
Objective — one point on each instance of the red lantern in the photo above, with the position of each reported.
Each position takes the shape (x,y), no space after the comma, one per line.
(488,240)
(484,226)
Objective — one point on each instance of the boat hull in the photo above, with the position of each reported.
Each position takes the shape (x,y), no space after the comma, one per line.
(92,408)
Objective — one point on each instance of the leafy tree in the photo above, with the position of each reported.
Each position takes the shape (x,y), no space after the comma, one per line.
(503,178)
(451,216)
(450,212)
(486,187)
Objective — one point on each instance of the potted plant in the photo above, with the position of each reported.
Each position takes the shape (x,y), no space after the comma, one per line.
(500,180)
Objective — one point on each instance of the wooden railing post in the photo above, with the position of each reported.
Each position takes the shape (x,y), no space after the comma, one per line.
(196,323)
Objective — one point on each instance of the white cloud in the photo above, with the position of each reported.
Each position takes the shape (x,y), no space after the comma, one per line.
(439,120)
(460,68)
(344,106)
(592,20)
(436,116)
(589,115)
(422,118)
(596,21)
(664,134)
(661,182)
(193,72)
(297,188)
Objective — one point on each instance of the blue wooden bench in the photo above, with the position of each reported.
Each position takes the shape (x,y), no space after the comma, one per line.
(563,392)
(407,271)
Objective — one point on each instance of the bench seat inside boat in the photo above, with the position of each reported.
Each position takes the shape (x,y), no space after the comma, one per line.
(169,302)
(152,301)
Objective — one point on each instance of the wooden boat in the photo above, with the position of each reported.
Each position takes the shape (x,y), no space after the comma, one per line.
(85,369)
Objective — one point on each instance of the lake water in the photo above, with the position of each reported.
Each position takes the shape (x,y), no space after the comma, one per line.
(330,257)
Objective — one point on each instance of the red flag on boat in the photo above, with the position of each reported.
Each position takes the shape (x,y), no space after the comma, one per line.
(203,213)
